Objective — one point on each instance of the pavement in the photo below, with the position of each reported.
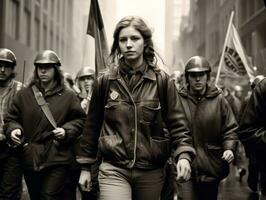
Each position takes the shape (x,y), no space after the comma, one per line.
(233,189)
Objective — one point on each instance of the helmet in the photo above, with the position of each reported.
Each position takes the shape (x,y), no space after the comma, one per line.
(85,71)
(256,81)
(8,56)
(47,57)
(197,64)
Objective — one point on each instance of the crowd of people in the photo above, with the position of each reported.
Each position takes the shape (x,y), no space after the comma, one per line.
(132,133)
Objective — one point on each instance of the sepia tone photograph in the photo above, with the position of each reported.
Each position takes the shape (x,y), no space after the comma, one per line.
(132,99)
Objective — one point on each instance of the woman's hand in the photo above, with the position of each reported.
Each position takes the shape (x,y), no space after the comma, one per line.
(59,133)
(228,156)
(183,170)
(85,180)
(16,136)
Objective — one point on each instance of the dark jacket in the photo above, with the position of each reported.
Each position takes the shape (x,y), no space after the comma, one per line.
(213,128)
(26,114)
(252,130)
(129,129)
(5,102)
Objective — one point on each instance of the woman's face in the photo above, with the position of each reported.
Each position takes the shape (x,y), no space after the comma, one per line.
(131,44)
(88,82)
(46,73)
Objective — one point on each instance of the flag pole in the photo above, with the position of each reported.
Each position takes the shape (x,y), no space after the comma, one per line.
(23,74)
(223,52)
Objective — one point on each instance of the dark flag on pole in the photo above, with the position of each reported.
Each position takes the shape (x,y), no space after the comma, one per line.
(96,30)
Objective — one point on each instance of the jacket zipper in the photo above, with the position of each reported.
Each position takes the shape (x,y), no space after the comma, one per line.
(136,125)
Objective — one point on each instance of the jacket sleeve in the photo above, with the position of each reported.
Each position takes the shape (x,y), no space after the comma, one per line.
(177,124)
(252,130)
(229,126)
(13,117)
(75,120)
(88,145)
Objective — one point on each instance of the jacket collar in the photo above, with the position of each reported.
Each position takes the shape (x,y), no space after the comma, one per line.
(212,91)
(57,89)
(114,73)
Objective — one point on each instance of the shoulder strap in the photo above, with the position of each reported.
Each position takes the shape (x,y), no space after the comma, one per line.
(44,106)
(162,91)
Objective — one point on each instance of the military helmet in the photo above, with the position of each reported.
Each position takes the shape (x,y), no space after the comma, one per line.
(197,64)
(8,56)
(257,80)
(47,57)
(85,71)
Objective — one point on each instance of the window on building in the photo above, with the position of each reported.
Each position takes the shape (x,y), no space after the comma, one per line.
(51,40)
(27,4)
(63,50)
(45,5)
(37,33)
(58,44)
(27,26)
(13,18)
(58,11)
(45,35)
(52,7)
(63,13)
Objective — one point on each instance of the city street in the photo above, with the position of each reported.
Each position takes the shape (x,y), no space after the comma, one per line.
(232,189)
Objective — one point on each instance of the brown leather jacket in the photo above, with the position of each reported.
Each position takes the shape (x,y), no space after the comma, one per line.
(129,129)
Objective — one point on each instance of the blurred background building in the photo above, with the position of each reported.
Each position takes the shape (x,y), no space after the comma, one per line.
(203,30)
(191,27)
(28,26)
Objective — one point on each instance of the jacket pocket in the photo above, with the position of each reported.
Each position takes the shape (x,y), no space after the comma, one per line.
(218,167)
(112,111)
(112,147)
(150,113)
(160,149)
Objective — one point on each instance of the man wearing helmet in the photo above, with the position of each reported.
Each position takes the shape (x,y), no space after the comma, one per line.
(84,80)
(213,126)
(10,172)
(252,131)
(27,124)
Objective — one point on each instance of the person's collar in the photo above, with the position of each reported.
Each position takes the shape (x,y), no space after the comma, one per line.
(127,69)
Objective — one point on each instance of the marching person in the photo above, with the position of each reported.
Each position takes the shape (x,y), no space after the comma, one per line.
(252,132)
(47,151)
(125,116)
(213,127)
(254,175)
(84,80)
(10,173)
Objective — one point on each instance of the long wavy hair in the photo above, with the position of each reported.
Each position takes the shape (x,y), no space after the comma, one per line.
(59,77)
(138,23)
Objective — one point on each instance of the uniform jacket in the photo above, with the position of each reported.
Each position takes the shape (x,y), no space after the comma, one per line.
(252,130)
(129,129)
(5,102)
(26,114)
(213,128)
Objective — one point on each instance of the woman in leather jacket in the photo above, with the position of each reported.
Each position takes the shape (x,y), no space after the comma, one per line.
(128,127)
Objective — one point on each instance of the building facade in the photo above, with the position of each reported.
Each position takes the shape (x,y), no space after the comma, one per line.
(28,26)
(203,30)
